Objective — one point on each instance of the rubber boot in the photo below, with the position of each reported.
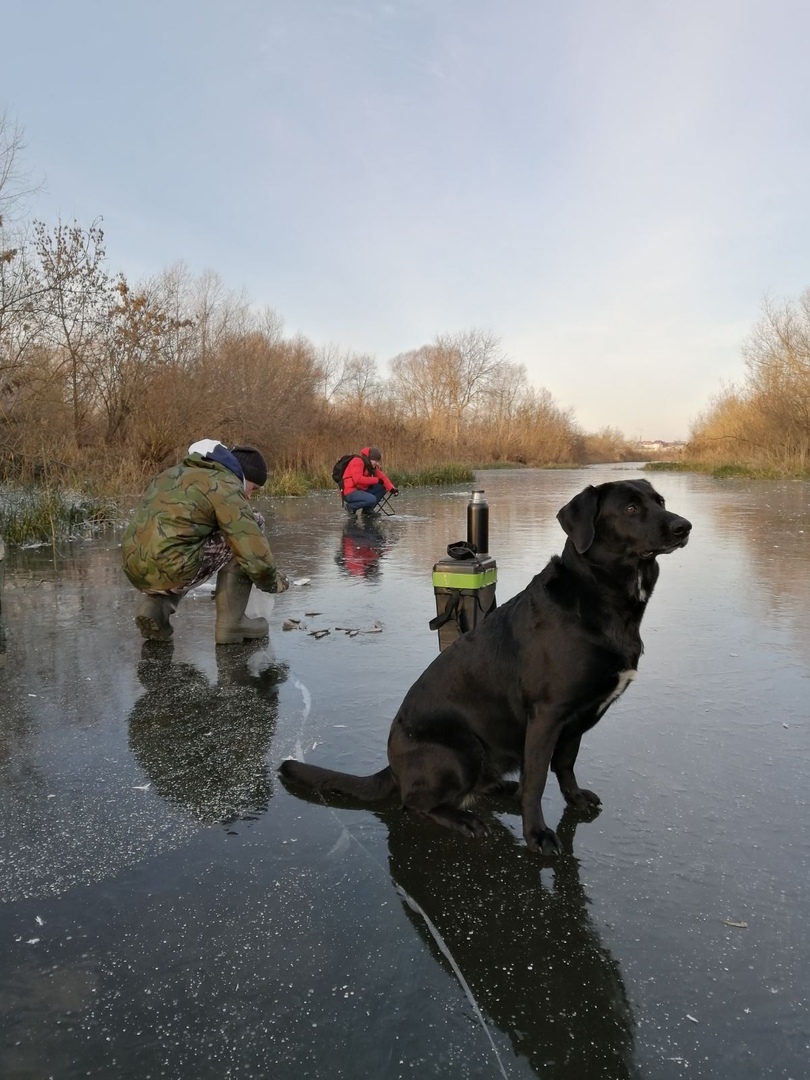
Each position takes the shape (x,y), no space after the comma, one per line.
(152,617)
(232,592)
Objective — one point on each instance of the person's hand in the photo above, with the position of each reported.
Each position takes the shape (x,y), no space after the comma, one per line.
(282,582)
(395,491)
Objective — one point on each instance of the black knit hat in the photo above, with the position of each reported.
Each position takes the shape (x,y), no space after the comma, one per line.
(375,454)
(253,464)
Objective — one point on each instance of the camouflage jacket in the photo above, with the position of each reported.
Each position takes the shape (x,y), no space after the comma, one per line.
(162,546)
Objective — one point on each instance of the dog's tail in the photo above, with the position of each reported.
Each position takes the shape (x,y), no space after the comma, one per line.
(366,788)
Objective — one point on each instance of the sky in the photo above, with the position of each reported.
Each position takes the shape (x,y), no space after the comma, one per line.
(610,187)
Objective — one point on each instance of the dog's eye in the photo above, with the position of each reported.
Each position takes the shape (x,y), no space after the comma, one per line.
(632,509)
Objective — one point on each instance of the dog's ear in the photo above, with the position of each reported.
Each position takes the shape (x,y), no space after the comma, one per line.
(578,518)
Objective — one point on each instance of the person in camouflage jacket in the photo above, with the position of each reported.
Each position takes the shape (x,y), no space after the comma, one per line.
(194,521)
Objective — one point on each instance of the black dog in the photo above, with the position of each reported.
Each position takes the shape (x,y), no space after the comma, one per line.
(519,691)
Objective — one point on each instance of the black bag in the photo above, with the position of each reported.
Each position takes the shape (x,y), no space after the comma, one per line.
(462,549)
(340,468)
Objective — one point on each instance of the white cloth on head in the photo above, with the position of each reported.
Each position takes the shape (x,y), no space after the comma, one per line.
(204,446)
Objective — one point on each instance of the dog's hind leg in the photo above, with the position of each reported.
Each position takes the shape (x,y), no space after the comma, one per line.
(562,765)
(435,781)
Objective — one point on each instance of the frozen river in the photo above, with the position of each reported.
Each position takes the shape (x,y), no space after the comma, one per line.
(169,909)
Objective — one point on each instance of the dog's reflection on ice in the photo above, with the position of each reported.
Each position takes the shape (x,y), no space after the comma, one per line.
(518,936)
(529,953)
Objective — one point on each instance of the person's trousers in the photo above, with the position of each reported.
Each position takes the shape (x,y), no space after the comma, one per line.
(365,500)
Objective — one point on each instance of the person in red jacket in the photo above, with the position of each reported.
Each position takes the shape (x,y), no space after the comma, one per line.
(364,482)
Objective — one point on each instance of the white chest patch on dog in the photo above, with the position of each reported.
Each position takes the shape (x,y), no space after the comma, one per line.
(623,680)
(643,595)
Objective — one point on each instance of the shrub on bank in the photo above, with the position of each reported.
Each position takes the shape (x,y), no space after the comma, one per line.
(37,515)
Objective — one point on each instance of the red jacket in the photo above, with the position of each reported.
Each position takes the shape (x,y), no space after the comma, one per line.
(359,477)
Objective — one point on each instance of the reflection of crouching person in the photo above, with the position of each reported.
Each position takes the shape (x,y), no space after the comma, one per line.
(194,521)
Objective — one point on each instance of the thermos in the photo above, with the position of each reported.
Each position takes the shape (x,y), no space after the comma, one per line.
(478,522)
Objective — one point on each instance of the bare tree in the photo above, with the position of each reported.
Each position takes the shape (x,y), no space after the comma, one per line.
(361,386)
(496,411)
(77,297)
(218,313)
(20,286)
(139,331)
(416,385)
(777,359)
(267,392)
(20,314)
(332,368)
(765,420)
(443,383)
(15,184)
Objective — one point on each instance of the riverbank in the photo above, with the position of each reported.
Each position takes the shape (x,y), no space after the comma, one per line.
(44,515)
(728,470)
(47,514)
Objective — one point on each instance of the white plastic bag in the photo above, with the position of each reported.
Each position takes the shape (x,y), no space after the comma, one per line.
(260,604)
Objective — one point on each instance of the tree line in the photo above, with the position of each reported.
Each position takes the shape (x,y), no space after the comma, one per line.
(104,377)
(764,421)
(109,379)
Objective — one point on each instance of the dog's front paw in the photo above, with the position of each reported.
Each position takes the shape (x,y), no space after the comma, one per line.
(582,799)
(543,840)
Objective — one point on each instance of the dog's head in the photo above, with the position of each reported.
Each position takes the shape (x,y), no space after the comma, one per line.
(628,517)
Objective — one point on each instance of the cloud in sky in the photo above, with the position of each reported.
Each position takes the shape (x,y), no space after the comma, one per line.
(609,188)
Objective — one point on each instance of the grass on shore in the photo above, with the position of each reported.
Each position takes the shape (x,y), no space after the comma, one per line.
(43,515)
(729,470)
(293,482)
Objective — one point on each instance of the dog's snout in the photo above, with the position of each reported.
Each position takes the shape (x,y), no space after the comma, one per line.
(681,527)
